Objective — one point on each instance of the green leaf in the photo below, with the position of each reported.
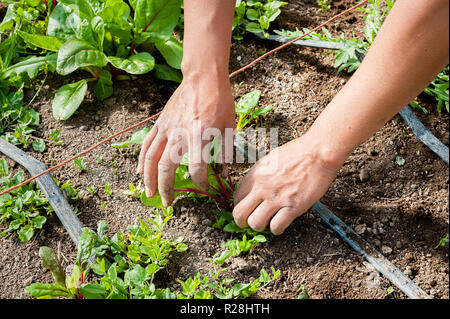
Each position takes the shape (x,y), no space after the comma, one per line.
(62,22)
(104,87)
(400,160)
(68,99)
(139,136)
(30,66)
(25,233)
(165,72)
(3,167)
(50,261)
(248,102)
(123,144)
(42,290)
(172,51)
(93,291)
(41,41)
(156,17)
(140,63)
(81,7)
(253,27)
(137,275)
(38,221)
(76,54)
(39,145)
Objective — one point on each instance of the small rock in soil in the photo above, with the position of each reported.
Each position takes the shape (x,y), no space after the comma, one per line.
(386,250)
(360,229)
(398,244)
(363,175)
(408,271)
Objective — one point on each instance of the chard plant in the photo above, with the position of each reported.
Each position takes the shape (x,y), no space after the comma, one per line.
(255,16)
(128,266)
(97,36)
(24,208)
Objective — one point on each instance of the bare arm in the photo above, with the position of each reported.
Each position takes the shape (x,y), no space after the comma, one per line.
(202,101)
(408,52)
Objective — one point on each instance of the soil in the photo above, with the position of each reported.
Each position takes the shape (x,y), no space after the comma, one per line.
(404,208)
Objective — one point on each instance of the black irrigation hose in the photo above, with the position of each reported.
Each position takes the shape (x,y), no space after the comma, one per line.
(48,186)
(348,235)
(422,133)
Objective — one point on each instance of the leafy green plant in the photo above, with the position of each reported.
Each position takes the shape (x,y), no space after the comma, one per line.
(108,189)
(100,37)
(55,136)
(136,138)
(247,111)
(17,121)
(92,190)
(80,164)
(128,266)
(347,57)
(134,191)
(72,193)
(255,16)
(302,292)
(438,89)
(324,5)
(443,241)
(24,208)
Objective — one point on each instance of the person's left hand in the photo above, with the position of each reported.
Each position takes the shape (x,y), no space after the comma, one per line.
(282,186)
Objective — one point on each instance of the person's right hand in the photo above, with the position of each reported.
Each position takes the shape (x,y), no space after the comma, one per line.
(200,103)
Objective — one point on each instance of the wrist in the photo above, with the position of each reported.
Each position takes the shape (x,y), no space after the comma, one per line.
(330,153)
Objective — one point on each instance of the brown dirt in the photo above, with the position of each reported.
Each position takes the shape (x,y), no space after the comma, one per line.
(404,208)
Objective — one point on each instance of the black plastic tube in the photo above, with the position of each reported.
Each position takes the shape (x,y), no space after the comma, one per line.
(348,235)
(48,186)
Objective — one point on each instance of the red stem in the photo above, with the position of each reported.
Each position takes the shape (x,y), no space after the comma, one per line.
(224,189)
(193,190)
(54,3)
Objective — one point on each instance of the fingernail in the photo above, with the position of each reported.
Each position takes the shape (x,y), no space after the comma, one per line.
(138,169)
(147,192)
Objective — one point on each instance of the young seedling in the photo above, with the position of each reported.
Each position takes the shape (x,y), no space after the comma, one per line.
(247,111)
(55,137)
(134,191)
(92,190)
(108,189)
(80,164)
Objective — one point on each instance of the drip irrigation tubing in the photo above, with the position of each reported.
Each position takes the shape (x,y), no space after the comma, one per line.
(349,236)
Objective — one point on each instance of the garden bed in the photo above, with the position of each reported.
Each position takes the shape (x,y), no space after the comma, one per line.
(404,208)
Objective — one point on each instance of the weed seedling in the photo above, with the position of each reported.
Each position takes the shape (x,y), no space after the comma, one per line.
(108,189)
(92,190)
(80,164)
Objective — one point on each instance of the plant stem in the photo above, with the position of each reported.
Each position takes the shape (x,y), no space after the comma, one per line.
(192,190)
(224,189)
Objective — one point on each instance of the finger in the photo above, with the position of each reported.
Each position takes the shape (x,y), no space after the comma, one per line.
(243,189)
(151,160)
(166,172)
(145,146)
(198,169)
(245,207)
(260,217)
(282,219)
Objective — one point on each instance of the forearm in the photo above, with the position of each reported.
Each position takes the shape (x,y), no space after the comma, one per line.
(207,37)
(408,52)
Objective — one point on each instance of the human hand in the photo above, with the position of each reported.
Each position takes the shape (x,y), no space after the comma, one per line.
(283,185)
(200,106)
